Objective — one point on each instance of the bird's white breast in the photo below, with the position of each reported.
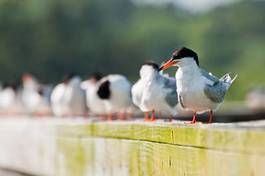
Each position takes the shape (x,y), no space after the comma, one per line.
(94,103)
(190,87)
(153,97)
(120,89)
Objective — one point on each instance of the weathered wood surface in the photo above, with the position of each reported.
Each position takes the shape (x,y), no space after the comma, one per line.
(82,147)
(237,137)
(100,156)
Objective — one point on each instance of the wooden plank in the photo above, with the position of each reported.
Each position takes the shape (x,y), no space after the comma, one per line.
(82,147)
(131,157)
(224,137)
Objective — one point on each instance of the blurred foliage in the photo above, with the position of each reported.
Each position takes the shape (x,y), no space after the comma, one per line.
(51,37)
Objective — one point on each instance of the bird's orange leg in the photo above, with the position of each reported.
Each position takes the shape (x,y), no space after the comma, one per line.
(193,119)
(153,118)
(129,115)
(122,115)
(110,116)
(210,117)
(146,116)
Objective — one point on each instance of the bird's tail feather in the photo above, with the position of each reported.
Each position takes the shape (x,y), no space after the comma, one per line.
(227,80)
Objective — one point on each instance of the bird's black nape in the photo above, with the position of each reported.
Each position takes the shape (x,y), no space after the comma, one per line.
(96,76)
(185,52)
(12,85)
(68,77)
(104,90)
(152,64)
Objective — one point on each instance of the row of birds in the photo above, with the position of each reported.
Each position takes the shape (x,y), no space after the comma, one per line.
(192,89)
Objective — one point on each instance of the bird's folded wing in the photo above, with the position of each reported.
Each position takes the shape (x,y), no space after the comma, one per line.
(215,92)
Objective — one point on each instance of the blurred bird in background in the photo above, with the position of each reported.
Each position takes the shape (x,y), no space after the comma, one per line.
(9,99)
(94,103)
(35,97)
(115,91)
(68,98)
(255,99)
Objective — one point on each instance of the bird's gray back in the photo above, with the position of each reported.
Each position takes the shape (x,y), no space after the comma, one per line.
(209,76)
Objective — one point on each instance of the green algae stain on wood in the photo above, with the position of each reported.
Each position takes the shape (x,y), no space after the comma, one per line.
(249,140)
(69,156)
(162,149)
(129,157)
(73,157)
(134,160)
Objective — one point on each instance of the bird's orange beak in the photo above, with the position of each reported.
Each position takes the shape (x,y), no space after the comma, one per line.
(168,64)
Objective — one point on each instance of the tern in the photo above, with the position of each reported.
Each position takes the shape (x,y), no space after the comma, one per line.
(115,91)
(154,92)
(67,98)
(255,99)
(95,105)
(34,96)
(8,97)
(198,90)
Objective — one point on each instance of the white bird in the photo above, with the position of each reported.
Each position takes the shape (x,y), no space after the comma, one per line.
(198,90)
(58,102)
(8,97)
(154,92)
(68,99)
(95,105)
(32,95)
(255,99)
(115,91)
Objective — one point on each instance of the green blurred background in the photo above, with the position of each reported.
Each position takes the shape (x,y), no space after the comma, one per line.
(50,37)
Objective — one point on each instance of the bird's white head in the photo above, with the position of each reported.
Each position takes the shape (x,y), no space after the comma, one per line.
(75,81)
(181,58)
(149,70)
(29,81)
(71,79)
